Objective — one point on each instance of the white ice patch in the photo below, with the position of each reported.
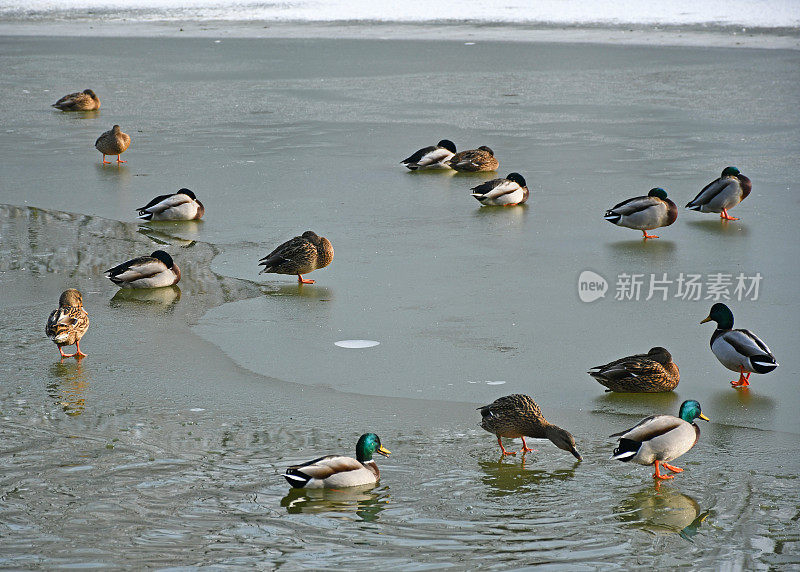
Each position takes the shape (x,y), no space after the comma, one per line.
(751,13)
(495,382)
(351,344)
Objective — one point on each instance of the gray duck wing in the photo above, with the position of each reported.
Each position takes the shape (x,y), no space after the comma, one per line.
(650,427)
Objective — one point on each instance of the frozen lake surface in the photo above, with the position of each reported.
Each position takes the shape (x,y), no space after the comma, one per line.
(164,447)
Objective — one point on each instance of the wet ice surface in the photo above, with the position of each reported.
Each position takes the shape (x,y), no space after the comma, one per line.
(173,433)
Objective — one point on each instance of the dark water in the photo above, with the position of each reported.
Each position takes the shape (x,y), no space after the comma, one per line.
(164,446)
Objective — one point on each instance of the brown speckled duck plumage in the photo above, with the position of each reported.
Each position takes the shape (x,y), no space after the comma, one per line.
(299,255)
(113,142)
(68,323)
(653,372)
(85,100)
(480,159)
(518,416)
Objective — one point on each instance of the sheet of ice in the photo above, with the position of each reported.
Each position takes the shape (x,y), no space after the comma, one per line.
(748,13)
(356,344)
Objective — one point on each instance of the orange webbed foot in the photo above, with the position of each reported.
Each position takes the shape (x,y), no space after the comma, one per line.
(673,469)
(301,280)
(658,476)
(646,236)
(525,448)
(503,449)
(743,381)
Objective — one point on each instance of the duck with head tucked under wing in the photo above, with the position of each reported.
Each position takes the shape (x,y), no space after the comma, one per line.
(433,157)
(518,416)
(652,372)
(154,271)
(299,255)
(474,160)
(68,323)
(182,205)
(739,350)
(85,100)
(659,439)
(722,194)
(502,192)
(338,471)
(644,213)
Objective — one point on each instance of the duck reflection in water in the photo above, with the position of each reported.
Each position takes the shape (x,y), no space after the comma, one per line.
(68,389)
(510,478)
(171,233)
(662,512)
(365,501)
(295,290)
(168,296)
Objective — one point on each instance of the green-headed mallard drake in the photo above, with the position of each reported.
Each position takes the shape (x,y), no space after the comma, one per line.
(480,159)
(738,350)
(722,194)
(85,100)
(518,416)
(154,271)
(644,213)
(182,205)
(67,324)
(652,372)
(299,255)
(502,192)
(338,471)
(113,142)
(660,438)
(433,157)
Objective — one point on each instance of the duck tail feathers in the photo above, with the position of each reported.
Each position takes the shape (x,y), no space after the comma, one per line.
(627,450)
(763,364)
(295,478)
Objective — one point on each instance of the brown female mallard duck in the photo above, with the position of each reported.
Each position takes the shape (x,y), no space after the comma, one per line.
(518,415)
(299,255)
(338,471)
(67,324)
(113,142)
(85,100)
(480,159)
(652,372)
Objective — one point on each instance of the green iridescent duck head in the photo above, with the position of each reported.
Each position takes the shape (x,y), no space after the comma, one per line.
(369,444)
(690,410)
(722,315)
